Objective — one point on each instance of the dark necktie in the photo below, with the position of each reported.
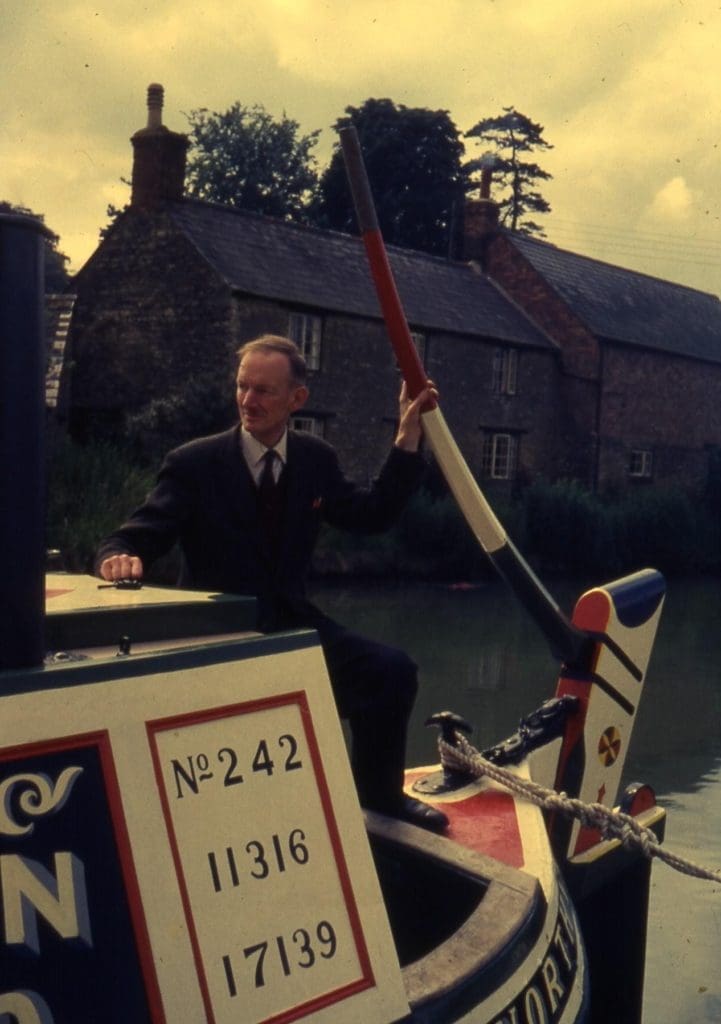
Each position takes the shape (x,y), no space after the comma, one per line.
(267,484)
(270,495)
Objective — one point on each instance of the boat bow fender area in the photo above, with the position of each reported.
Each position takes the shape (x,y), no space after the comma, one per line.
(462,921)
(620,619)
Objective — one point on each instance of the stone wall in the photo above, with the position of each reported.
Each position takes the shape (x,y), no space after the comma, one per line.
(355,392)
(664,404)
(150,316)
(579,356)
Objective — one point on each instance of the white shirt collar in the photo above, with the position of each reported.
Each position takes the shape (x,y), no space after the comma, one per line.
(254,450)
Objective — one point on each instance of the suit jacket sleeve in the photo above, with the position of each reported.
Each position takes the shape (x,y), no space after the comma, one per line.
(154,527)
(204,498)
(377,508)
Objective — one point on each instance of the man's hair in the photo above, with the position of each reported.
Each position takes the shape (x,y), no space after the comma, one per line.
(277,343)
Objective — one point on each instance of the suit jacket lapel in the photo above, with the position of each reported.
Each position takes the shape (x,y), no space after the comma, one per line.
(237,479)
(243,500)
(241,495)
(294,495)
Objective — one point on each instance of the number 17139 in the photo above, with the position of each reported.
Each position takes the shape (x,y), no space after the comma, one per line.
(279,957)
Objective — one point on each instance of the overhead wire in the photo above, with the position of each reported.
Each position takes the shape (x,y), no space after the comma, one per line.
(647,245)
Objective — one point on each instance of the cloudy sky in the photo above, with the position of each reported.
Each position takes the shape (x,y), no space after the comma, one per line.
(629,95)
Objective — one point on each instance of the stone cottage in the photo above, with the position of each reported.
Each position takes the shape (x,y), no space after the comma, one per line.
(549,364)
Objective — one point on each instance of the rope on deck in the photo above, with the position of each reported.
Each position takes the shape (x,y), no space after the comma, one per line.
(464,757)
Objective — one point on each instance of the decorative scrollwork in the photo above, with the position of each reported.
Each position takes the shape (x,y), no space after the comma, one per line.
(35,795)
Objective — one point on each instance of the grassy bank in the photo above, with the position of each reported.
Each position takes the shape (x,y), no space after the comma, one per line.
(559,527)
(91,489)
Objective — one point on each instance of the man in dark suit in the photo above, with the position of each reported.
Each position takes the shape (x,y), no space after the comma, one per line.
(246,507)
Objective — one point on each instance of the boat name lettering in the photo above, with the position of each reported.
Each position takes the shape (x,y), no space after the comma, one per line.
(269,758)
(30,889)
(544,999)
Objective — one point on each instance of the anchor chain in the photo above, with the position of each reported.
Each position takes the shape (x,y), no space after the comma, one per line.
(462,756)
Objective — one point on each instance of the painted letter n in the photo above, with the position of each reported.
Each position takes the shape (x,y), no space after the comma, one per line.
(28,889)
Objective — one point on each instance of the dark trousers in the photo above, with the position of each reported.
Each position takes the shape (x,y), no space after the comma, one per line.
(375,686)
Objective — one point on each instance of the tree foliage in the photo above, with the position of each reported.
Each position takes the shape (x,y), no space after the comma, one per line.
(248,159)
(511,135)
(413,159)
(56,274)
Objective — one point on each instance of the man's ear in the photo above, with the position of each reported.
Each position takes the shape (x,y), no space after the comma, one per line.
(300,397)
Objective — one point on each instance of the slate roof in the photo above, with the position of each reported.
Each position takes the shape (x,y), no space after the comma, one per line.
(327,270)
(625,306)
(58,311)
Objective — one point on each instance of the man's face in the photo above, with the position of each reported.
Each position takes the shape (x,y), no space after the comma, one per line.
(266,395)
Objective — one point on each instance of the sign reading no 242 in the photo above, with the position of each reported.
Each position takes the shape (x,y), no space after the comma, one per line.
(255,846)
(225,764)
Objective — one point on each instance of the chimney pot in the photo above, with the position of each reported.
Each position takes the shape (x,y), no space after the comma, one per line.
(488,165)
(480,222)
(155,106)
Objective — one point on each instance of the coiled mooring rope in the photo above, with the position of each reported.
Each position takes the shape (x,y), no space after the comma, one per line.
(462,756)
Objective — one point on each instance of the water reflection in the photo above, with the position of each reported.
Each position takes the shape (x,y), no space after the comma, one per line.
(684,927)
(477,655)
(480,656)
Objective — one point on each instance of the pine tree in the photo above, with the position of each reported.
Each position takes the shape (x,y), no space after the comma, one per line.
(510,136)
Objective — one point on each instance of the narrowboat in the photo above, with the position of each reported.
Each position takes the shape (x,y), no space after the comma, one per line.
(180,839)
(158,704)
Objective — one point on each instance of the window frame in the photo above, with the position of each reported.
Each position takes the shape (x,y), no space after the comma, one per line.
(317,424)
(504,371)
(497,465)
(306,330)
(640,463)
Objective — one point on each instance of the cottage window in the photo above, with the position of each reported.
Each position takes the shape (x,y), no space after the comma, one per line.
(498,460)
(309,424)
(305,330)
(641,463)
(504,372)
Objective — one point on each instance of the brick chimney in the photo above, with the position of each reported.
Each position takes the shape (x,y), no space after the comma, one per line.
(158,157)
(480,216)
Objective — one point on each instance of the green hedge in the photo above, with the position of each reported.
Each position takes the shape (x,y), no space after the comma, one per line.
(430,540)
(569,530)
(559,527)
(91,489)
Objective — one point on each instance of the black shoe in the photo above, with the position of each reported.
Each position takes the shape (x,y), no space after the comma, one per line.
(417,813)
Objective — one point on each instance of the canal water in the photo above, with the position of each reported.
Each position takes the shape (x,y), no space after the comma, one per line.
(480,656)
